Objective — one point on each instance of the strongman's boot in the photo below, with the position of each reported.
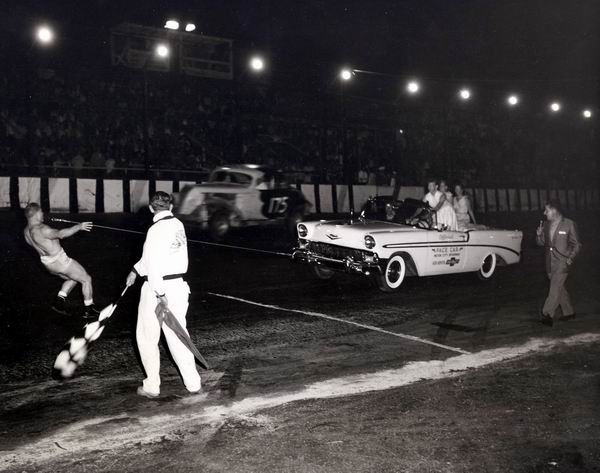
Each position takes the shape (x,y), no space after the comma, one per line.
(90,312)
(59,306)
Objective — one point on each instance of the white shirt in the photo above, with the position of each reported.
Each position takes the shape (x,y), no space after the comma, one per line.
(165,251)
(432,199)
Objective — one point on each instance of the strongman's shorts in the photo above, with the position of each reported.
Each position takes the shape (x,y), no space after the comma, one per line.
(57,263)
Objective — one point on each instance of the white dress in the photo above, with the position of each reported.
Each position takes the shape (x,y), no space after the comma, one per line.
(445,215)
(461,207)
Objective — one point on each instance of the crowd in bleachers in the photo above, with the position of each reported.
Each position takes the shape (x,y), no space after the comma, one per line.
(91,120)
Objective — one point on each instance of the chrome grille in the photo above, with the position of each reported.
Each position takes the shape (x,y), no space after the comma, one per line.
(337,252)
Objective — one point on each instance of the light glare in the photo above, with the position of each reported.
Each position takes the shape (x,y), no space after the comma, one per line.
(346,74)
(257,63)
(465,94)
(45,35)
(172,25)
(162,50)
(190,27)
(513,100)
(413,87)
(555,107)
(587,114)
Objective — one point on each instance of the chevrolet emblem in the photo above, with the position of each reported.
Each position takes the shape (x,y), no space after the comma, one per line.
(332,236)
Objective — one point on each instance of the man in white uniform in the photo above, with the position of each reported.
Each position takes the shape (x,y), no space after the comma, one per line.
(163,265)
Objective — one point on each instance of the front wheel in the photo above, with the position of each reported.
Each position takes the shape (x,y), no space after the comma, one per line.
(393,274)
(487,268)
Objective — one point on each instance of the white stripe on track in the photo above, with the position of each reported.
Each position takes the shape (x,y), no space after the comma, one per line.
(349,322)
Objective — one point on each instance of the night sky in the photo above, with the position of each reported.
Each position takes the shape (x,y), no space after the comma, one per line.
(552,45)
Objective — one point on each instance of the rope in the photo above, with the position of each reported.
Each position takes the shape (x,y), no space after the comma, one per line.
(201,242)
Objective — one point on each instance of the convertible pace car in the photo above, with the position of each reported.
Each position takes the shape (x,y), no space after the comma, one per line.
(395,239)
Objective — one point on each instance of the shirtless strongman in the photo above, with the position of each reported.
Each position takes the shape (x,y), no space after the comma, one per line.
(45,240)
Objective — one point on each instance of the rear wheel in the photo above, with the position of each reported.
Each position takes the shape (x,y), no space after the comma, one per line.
(219,226)
(393,274)
(488,267)
(322,273)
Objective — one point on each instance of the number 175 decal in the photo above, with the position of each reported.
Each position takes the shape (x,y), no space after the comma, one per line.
(278,205)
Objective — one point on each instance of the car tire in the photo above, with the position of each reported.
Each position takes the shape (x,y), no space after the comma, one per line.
(219,226)
(322,273)
(488,267)
(294,218)
(393,274)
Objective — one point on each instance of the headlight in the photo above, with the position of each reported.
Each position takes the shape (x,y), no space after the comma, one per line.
(302,231)
(369,242)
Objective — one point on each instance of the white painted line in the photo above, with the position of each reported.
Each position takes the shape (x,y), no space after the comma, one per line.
(349,322)
(81,437)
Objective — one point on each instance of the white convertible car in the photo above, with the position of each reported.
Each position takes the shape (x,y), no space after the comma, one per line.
(391,249)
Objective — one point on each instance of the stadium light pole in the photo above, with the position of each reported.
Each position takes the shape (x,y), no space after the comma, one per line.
(162,52)
(413,87)
(44,37)
(255,64)
(344,77)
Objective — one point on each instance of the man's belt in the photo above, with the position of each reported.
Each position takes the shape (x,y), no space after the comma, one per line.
(167,277)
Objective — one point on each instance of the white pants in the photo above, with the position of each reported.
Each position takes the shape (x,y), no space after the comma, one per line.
(147,335)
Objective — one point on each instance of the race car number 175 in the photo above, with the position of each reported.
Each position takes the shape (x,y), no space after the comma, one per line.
(278,205)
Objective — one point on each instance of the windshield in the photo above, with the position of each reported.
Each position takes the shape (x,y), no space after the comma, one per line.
(408,212)
(233,177)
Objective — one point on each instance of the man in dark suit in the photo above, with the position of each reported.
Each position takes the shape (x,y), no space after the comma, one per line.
(561,244)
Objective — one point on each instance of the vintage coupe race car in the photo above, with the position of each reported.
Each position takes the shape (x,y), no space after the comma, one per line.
(392,240)
(241,195)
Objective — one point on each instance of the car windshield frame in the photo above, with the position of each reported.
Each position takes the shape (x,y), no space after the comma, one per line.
(231,177)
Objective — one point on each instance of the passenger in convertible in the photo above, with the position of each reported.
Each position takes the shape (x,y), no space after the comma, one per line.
(438,201)
(463,208)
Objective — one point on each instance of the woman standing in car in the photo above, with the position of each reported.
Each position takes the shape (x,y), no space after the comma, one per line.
(437,200)
(463,207)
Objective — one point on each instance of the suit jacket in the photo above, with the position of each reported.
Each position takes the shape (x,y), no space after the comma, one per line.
(563,246)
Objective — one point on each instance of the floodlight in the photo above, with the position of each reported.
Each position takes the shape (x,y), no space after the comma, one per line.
(162,50)
(44,34)
(190,27)
(345,74)
(413,87)
(172,25)
(465,94)
(257,63)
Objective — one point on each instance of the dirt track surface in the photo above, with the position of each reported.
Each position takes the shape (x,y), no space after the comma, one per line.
(267,404)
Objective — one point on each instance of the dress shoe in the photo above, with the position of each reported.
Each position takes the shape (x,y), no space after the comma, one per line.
(547,320)
(568,317)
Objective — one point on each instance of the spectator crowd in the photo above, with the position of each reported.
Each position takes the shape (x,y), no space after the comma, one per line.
(116,119)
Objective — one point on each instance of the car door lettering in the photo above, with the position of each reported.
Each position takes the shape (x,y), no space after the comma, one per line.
(446,255)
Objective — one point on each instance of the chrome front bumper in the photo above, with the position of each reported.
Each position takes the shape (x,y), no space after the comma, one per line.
(348,264)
